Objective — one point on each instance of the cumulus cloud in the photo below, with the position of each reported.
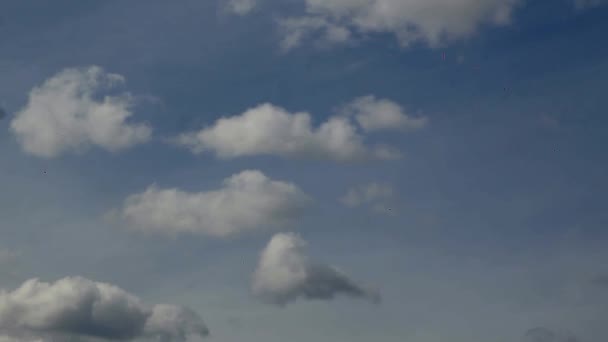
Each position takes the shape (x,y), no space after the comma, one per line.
(271,130)
(78,308)
(375,114)
(375,195)
(74,110)
(430,21)
(285,273)
(247,201)
(241,7)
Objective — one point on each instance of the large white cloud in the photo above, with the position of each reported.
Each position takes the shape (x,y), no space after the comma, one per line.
(75,308)
(285,273)
(374,114)
(429,21)
(74,110)
(247,201)
(271,130)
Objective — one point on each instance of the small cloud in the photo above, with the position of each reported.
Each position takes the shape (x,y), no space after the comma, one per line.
(541,334)
(7,256)
(374,195)
(74,110)
(285,274)
(241,7)
(586,4)
(78,308)
(248,201)
(549,121)
(601,280)
(375,114)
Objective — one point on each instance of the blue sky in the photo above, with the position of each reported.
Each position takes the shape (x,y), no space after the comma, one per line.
(488,226)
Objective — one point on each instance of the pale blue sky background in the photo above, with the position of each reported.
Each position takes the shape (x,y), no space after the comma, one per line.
(500,211)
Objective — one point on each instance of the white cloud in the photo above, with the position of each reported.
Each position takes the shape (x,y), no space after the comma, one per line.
(431,21)
(75,307)
(73,110)
(285,273)
(271,130)
(375,114)
(375,195)
(248,201)
(241,7)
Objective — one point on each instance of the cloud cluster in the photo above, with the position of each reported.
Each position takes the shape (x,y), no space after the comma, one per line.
(78,308)
(74,110)
(430,21)
(247,201)
(271,130)
(373,194)
(285,273)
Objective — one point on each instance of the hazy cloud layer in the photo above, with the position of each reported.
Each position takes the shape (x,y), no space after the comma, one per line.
(74,110)
(271,130)
(375,114)
(430,21)
(76,307)
(248,201)
(285,273)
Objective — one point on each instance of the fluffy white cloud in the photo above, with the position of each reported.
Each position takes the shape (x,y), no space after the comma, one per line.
(248,201)
(271,130)
(375,195)
(241,7)
(75,307)
(429,21)
(285,273)
(73,111)
(375,114)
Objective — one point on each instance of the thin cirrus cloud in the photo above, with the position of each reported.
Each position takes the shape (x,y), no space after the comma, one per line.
(285,274)
(77,308)
(74,110)
(433,22)
(247,201)
(271,130)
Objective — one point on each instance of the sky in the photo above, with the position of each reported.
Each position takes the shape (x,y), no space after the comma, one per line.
(303,170)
